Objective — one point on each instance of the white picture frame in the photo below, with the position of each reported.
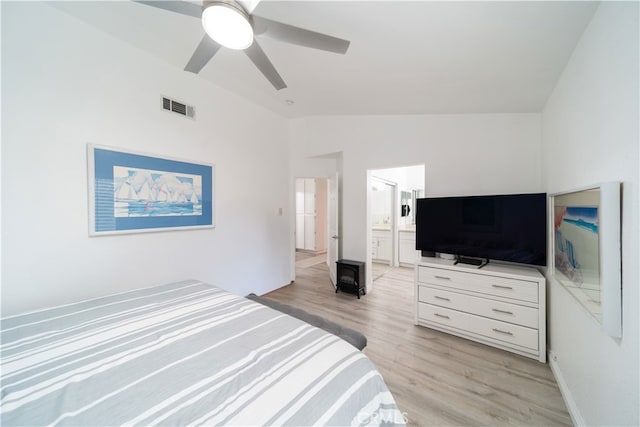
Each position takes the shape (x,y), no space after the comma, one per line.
(586,250)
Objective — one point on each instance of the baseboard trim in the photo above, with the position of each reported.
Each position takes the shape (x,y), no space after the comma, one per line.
(576,417)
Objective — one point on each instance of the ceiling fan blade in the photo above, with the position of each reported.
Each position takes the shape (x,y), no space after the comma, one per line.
(204,52)
(299,36)
(180,7)
(248,5)
(259,58)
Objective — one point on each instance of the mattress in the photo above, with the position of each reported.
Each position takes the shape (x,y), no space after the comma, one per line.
(186,353)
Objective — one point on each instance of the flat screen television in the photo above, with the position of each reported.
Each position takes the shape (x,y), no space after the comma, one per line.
(510,227)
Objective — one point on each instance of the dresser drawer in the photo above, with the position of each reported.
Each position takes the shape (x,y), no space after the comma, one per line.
(512,313)
(481,326)
(516,289)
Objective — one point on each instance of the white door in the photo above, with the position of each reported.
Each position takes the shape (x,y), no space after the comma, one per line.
(310,196)
(299,213)
(333,227)
(310,232)
(299,231)
(310,214)
(306,215)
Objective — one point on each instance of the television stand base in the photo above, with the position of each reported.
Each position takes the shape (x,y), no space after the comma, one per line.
(480,262)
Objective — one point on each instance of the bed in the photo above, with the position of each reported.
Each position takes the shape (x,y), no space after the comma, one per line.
(186,353)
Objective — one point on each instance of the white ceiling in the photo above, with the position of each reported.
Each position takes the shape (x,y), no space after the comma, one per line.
(416,57)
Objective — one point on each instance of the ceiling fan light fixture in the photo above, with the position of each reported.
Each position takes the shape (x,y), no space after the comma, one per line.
(228,24)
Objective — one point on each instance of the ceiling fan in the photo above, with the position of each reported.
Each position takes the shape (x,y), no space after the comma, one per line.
(230,23)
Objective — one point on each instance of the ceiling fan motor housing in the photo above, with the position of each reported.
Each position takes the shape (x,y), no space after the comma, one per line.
(230,4)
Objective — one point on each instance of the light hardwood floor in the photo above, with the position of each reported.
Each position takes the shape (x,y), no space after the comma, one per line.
(437,379)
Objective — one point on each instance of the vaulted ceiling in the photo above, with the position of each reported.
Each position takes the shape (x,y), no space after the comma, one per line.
(416,57)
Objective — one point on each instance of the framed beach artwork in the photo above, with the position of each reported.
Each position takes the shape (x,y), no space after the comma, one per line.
(586,257)
(133,192)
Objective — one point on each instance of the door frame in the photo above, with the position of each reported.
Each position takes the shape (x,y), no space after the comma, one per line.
(293,220)
(333,233)
(397,219)
(369,222)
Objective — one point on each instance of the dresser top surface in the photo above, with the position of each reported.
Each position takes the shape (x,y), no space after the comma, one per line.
(493,268)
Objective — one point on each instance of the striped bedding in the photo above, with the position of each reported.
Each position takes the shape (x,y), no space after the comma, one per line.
(186,353)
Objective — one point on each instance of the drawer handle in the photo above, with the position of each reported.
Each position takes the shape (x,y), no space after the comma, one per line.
(443,277)
(441,315)
(501,311)
(442,298)
(502,332)
(502,287)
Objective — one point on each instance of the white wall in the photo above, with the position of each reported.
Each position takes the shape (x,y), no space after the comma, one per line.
(65,85)
(463,154)
(590,134)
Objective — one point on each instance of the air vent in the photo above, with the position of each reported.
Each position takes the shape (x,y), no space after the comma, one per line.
(178,107)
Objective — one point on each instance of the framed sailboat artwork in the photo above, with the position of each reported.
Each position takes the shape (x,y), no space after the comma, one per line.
(133,192)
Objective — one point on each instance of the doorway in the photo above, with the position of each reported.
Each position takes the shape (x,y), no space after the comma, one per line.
(391,196)
(311,220)
(316,225)
(383,222)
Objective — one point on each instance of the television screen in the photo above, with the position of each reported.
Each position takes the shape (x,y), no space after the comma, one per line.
(501,227)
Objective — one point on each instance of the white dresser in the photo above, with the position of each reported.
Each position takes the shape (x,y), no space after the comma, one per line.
(499,305)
